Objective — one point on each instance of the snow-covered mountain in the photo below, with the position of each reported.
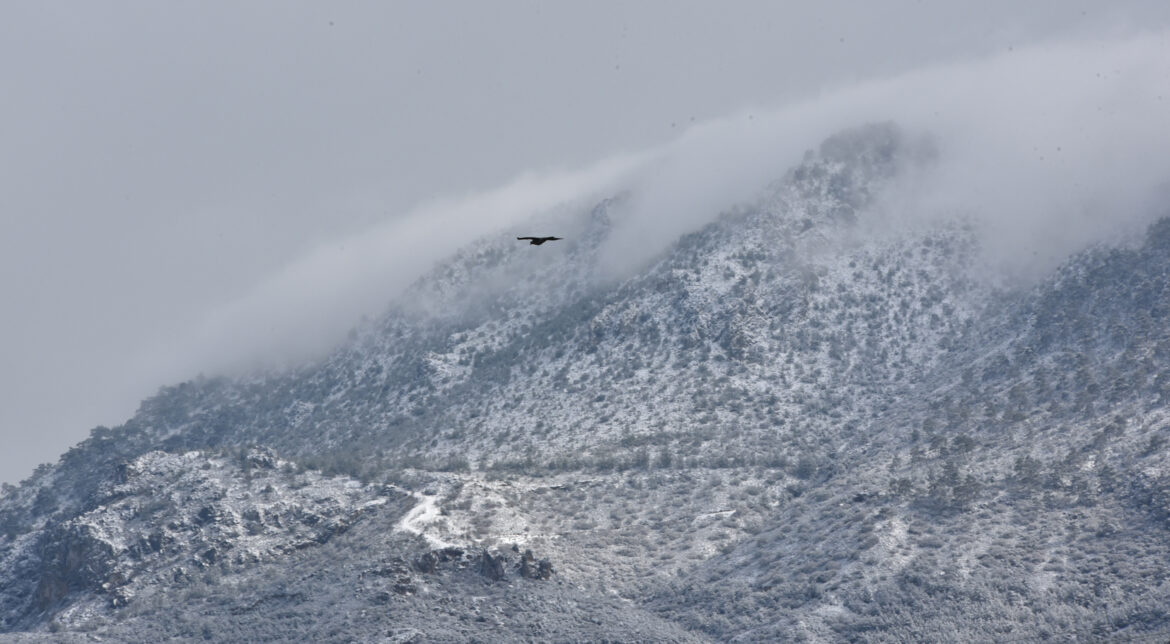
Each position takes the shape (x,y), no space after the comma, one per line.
(800,421)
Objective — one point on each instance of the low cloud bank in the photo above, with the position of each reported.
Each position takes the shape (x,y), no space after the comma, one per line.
(308,307)
(1047,148)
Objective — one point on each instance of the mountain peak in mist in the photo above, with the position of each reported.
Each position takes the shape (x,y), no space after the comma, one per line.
(809,417)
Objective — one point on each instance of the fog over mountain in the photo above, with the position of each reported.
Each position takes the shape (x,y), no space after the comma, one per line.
(1016,139)
(884,362)
(164,165)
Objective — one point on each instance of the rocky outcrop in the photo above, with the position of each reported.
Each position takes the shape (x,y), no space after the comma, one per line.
(74,557)
(490,564)
(531,568)
(492,567)
(162,514)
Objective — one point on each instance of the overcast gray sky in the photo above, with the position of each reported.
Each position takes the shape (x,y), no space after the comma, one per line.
(161,162)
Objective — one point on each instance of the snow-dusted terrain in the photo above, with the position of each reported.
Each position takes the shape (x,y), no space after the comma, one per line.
(806,420)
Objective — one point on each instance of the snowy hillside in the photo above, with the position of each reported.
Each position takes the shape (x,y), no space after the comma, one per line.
(807,419)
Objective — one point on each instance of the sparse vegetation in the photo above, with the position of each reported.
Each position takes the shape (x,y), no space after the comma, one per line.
(751,439)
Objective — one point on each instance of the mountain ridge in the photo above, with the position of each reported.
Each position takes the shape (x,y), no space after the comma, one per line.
(794,423)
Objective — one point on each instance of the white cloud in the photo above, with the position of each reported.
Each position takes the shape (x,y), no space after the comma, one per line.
(1048,148)
(165,162)
(309,305)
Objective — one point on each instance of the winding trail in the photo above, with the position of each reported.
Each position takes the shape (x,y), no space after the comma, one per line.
(420,517)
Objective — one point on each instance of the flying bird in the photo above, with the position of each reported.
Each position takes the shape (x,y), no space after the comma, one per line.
(536,241)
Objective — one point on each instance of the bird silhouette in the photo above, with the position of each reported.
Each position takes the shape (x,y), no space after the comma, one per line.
(536,241)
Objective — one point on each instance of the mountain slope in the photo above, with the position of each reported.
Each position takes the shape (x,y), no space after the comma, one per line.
(806,419)
(1020,493)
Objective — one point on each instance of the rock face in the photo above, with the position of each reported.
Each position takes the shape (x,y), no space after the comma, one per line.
(530,568)
(74,558)
(489,564)
(162,514)
(798,423)
(492,567)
